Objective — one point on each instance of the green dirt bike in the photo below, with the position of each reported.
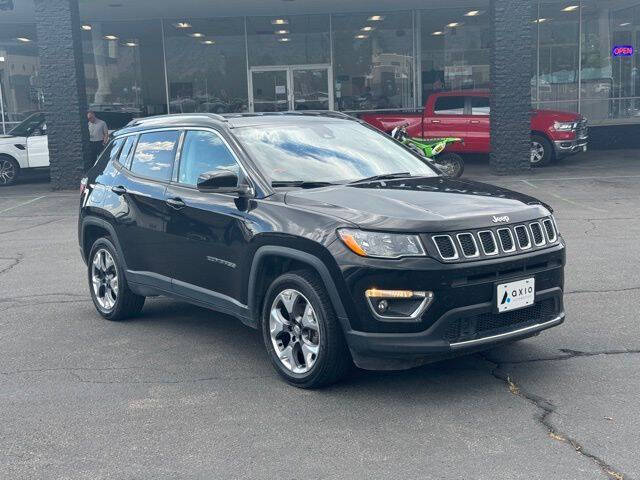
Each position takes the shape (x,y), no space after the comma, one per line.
(449,163)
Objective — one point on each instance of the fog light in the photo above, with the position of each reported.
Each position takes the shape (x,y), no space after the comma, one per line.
(382,306)
(398,304)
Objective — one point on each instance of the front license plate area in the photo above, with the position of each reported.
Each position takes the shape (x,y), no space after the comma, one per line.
(516,294)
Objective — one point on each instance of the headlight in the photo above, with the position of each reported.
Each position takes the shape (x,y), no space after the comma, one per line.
(563,126)
(382,245)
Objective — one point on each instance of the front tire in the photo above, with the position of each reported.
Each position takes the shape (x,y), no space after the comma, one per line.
(9,170)
(541,151)
(108,286)
(301,333)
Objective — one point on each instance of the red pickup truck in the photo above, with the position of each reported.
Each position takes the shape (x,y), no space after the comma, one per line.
(465,114)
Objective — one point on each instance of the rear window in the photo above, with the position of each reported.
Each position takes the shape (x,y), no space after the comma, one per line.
(154,155)
(480,106)
(449,106)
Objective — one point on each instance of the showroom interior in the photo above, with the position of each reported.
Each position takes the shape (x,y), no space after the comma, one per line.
(150,57)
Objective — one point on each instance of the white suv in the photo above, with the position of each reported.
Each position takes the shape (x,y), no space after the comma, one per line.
(25,146)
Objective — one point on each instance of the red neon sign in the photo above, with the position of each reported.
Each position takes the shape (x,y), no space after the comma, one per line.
(622,51)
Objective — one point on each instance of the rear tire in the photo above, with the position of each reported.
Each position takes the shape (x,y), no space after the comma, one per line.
(451,164)
(541,151)
(9,170)
(301,332)
(108,286)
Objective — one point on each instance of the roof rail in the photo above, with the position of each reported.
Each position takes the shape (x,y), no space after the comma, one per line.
(314,113)
(142,120)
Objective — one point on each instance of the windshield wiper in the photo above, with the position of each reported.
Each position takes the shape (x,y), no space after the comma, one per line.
(386,176)
(300,184)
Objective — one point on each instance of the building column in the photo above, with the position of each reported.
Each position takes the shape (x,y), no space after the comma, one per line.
(65,98)
(511,60)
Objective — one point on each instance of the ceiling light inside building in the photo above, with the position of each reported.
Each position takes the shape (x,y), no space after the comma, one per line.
(366,29)
(197,35)
(110,37)
(281,32)
(454,24)
(376,18)
(625,24)
(86,28)
(284,39)
(571,8)
(279,21)
(362,37)
(208,42)
(541,20)
(473,13)
(2,59)
(438,33)
(23,39)
(182,25)
(131,44)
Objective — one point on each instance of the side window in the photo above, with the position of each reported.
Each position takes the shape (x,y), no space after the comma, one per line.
(204,152)
(123,158)
(480,106)
(154,155)
(111,150)
(449,106)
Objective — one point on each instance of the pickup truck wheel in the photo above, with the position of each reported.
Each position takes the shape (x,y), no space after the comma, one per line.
(109,289)
(9,170)
(541,151)
(301,332)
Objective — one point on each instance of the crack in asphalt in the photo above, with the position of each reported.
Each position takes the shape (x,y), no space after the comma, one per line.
(629,289)
(568,354)
(29,227)
(75,373)
(547,408)
(16,261)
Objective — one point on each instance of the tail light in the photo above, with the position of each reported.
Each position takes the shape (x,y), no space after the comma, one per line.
(83,185)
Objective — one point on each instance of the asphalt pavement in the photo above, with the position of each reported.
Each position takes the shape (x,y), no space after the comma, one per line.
(183,392)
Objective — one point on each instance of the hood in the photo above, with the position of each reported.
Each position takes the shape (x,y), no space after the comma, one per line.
(559,116)
(433,204)
(11,139)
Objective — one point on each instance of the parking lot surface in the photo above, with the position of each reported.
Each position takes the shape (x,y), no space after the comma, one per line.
(183,392)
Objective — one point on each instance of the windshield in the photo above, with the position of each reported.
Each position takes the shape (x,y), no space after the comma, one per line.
(27,126)
(332,152)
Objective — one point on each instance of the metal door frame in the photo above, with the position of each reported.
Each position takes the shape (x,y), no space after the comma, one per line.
(289,69)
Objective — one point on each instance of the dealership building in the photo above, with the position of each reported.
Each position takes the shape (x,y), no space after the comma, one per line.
(126,59)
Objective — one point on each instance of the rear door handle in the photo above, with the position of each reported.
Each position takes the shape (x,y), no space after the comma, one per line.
(435,121)
(176,203)
(475,122)
(119,190)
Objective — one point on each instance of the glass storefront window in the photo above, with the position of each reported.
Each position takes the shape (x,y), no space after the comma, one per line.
(288,40)
(455,48)
(20,89)
(557,36)
(206,65)
(373,61)
(124,70)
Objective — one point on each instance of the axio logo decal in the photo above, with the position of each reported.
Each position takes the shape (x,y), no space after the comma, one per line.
(502,219)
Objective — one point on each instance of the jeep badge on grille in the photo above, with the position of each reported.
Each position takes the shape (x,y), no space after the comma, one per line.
(500,219)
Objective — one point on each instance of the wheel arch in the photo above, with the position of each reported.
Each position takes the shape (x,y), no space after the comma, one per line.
(548,139)
(270,261)
(94,228)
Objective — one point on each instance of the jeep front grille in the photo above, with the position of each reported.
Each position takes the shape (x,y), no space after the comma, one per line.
(497,241)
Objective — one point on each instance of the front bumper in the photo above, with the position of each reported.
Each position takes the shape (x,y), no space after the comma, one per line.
(570,147)
(462,317)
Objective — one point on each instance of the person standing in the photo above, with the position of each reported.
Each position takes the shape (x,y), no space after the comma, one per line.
(98,136)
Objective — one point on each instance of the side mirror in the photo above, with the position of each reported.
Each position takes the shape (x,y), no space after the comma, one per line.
(223,181)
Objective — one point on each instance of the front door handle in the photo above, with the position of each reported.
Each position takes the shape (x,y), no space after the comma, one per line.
(176,203)
(435,121)
(474,122)
(119,190)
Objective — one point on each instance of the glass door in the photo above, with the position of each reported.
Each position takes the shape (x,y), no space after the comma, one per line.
(311,88)
(270,90)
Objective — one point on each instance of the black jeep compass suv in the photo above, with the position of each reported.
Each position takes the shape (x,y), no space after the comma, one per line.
(337,242)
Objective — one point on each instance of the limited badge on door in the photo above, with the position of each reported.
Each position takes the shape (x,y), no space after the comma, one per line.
(514,295)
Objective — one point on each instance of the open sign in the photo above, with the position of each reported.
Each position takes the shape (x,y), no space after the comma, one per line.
(622,51)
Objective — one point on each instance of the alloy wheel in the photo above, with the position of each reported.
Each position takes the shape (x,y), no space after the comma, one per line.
(294,330)
(104,279)
(7,171)
(537,152)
